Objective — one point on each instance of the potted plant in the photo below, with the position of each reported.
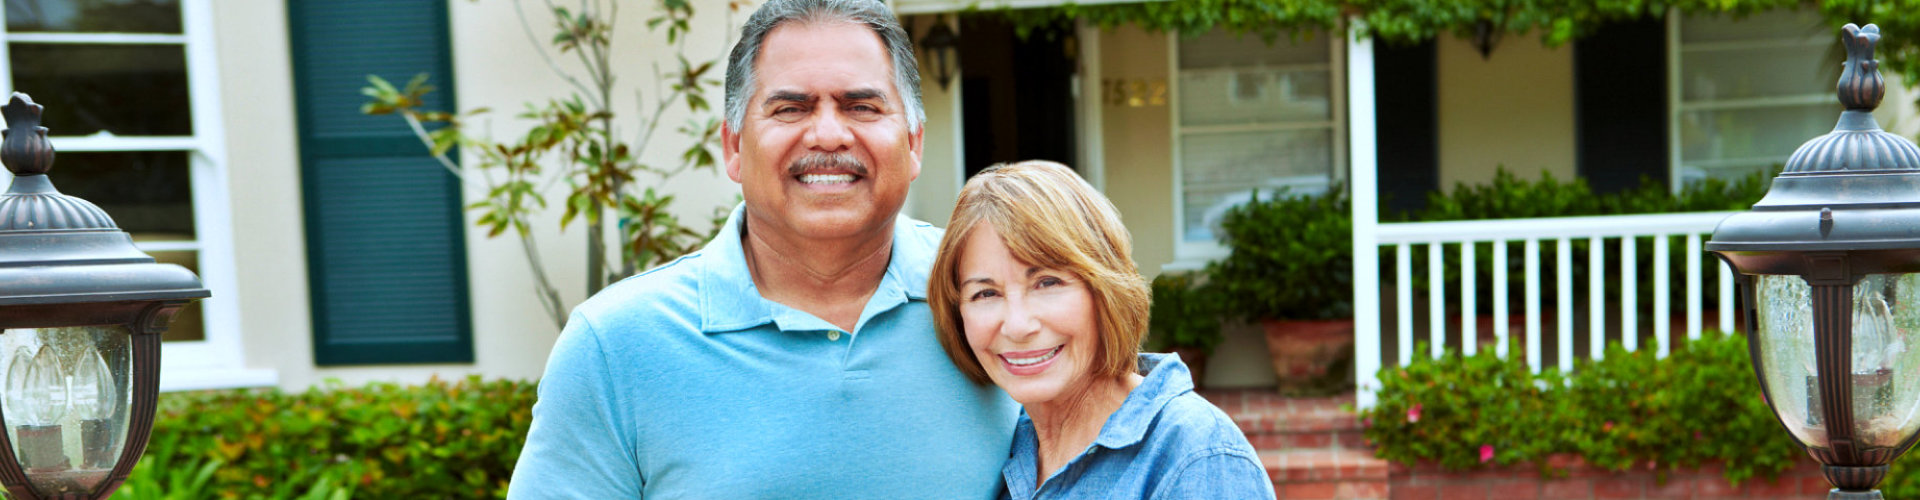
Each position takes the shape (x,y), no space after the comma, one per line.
(1185,320)
(1291,269)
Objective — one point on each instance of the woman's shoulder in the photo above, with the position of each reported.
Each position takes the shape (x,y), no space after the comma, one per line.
(1197,423)
(1206,453)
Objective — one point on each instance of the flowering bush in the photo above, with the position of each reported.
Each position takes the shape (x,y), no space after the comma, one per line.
(1631,409)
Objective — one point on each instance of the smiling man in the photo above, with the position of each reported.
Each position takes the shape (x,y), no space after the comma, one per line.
(794,356)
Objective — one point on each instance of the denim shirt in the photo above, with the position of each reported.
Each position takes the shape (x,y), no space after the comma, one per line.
(1165,442)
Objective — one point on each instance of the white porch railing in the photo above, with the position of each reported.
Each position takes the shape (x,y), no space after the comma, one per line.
(1605,237)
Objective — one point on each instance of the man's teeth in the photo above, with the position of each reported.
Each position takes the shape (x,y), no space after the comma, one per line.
(826,178)
(1034,360)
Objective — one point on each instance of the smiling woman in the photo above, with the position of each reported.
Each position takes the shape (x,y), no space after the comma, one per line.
(1035,290)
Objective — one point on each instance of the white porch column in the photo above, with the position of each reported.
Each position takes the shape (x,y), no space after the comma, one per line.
(1362,180)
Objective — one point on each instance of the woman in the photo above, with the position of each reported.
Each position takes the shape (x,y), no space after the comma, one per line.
(1035,290)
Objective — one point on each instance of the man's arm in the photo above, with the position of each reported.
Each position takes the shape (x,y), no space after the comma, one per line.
(574,449)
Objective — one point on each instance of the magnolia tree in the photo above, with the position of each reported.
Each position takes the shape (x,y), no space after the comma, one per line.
(575,143)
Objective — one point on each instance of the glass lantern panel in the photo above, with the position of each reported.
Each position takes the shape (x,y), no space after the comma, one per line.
(66,396)
(1785,307)
(1886,408)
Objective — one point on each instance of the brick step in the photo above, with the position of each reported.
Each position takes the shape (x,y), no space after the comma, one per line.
(1326,474)
(1275,422)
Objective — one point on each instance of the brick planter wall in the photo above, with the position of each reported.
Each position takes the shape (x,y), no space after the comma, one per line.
(1430,482)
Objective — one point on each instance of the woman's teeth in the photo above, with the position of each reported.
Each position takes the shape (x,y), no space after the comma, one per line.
(1033,360)
(826,178)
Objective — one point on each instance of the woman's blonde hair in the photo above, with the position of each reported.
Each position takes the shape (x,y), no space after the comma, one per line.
(1048,217)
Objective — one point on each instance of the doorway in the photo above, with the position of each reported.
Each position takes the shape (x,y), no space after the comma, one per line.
(1017,93)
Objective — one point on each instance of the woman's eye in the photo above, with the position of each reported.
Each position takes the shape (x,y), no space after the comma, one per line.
(1049,281)
(984,294)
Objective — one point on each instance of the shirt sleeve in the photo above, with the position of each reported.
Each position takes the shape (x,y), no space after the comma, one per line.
(572,448)
(1218,474)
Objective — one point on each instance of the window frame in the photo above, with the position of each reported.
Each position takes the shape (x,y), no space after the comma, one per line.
(217,360)
(1194,255)
(1678,106)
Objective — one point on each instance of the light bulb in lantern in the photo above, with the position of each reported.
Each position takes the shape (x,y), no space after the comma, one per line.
(93,401)
(1874,340)
(45,400)
(41,403)
(16,380)
(93,394)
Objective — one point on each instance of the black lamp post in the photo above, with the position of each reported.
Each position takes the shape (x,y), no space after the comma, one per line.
(1829,272)
(81,313)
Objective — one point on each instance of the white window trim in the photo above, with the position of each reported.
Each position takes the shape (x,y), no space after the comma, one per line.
(1192,256)
(218,361)
(1678,106)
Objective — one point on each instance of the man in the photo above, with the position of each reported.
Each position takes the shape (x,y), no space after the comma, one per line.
(794,356)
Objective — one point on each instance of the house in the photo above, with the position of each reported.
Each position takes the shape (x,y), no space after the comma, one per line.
(226,137)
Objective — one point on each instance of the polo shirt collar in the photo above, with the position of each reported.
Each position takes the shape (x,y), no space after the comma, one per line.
(1166,378)
(730,301)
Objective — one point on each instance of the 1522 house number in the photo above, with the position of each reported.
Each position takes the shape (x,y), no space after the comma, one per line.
(1134,92)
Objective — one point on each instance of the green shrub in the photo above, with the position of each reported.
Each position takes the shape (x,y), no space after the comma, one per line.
(1699,404)
(1291,257)
(1184,314)
(437,440)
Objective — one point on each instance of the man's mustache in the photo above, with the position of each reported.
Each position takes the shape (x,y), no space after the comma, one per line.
(816,162)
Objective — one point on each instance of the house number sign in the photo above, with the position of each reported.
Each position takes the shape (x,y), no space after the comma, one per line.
(1134,92)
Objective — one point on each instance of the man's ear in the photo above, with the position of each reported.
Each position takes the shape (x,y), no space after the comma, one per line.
(915,141)
(730,150)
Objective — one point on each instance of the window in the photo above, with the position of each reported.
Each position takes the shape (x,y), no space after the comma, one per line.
(132,106)
(1746,93)
(1250,116)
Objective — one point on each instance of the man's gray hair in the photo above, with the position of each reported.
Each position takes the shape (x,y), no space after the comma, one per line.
(871,13)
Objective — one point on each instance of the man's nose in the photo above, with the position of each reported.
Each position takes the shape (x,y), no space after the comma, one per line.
(829,133)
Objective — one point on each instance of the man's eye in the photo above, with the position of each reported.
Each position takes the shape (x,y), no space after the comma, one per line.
(787,111)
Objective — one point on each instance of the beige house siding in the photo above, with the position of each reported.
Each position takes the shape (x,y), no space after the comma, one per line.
(1514,109)
(1138,145)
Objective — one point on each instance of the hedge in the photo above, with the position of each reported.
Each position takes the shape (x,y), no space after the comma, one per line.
(437,440)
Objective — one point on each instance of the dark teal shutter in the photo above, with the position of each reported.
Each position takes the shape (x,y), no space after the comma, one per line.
(1407,121)
(386,254)
(1620,104)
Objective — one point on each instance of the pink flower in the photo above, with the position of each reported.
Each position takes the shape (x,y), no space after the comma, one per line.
(1608,427)
(1486,453)
(1413,414)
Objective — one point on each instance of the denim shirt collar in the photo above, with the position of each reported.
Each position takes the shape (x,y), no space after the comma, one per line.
(1166,378)
(730,301)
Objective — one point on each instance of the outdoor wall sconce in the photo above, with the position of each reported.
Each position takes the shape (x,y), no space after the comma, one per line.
(81,313)
(1829,273)
(943,51)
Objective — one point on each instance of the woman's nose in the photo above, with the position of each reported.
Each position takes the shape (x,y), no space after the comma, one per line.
(1021,321)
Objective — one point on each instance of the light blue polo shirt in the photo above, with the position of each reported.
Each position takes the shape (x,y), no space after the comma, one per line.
(683,382)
